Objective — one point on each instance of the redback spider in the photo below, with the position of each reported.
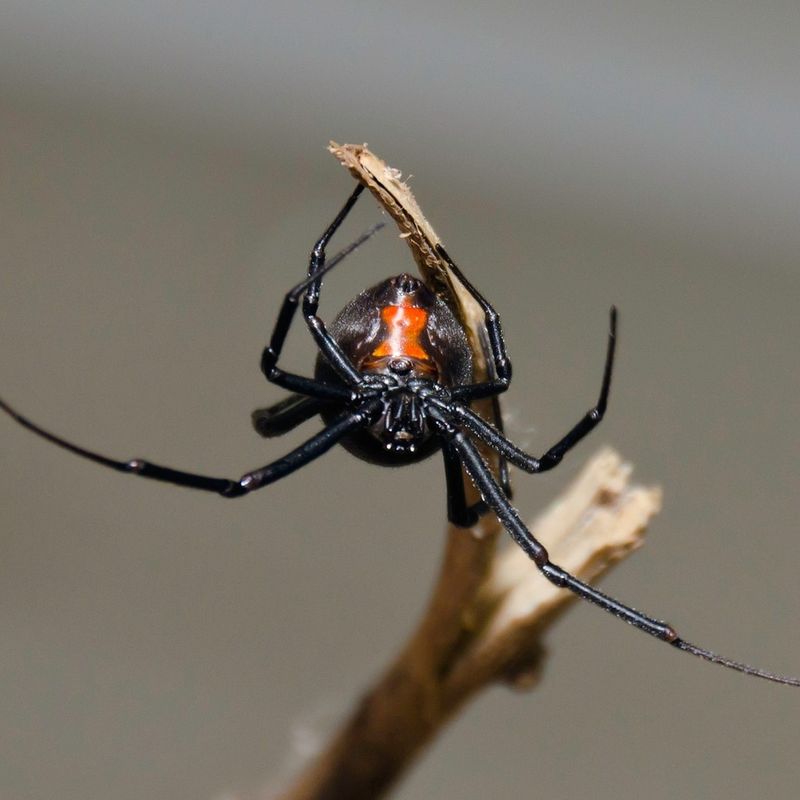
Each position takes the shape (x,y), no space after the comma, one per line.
(392,383)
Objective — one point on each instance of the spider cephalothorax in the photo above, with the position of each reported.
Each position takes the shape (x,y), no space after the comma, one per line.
(393,383)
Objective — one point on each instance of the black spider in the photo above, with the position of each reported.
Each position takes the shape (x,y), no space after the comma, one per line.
(392,383)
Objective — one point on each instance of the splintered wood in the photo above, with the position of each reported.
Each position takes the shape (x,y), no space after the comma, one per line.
(397,199)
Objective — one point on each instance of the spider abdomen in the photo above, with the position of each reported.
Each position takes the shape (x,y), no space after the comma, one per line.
(400,319)
(399,329)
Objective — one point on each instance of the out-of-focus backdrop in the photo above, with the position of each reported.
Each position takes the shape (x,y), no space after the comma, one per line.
(162,178)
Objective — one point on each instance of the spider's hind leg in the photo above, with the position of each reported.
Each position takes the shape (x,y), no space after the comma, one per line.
(459,513)
(285,415)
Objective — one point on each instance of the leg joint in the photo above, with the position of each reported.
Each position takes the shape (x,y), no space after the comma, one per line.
(268,360)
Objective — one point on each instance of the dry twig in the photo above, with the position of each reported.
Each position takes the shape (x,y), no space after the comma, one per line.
(484,624)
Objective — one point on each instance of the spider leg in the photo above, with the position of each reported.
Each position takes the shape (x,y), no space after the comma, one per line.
(329,348)
(493,495)
(502,464)
(491,436)
(285,415)
(458,512)
(317,259)
(496,439)
(300,456)
(500,373)
(500,366)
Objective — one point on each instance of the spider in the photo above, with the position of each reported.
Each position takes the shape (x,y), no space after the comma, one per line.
(392,383)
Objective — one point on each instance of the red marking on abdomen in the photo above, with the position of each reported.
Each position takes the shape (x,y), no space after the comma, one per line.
(404,325)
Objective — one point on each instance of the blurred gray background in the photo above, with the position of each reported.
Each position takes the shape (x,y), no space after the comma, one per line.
(162,178)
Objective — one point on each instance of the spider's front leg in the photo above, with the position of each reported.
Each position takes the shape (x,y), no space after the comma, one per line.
(328,346)
(331,350)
